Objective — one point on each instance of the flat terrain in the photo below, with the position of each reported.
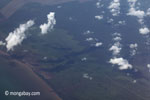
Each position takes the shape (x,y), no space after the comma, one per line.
(21,77)
(56,58)
(14,5)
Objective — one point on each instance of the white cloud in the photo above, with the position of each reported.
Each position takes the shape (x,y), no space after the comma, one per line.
(116,48)
(134,81)
(99,17)
(86,75)
(16,37)
(84,59)
(50,25)
(133,11)
(88,32)
(110,20)
(98,44)
(122,22)
(122,63)
(98,4)
(144,30)
(116,34)
(59,7)
(138,13)
(117,38)
(115,7)
(148,12)
(89,39)
(148,65)
(45,58)
(2,43)
(133,48)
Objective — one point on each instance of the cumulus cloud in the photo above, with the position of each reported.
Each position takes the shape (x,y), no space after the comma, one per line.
(144,30)
(98,44)
(134,81)
(116,34)
(133,11)
(148,12)
(121,62)
(115,7)
(99,17)
(84,59)
(98,4)
(138,13)
(2,43)
(148,66)
(89,39)
(133,48)
(86,75)
(117,38)
(122,22)
(18,35)
(116,48)
(49,25)
(110,20)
